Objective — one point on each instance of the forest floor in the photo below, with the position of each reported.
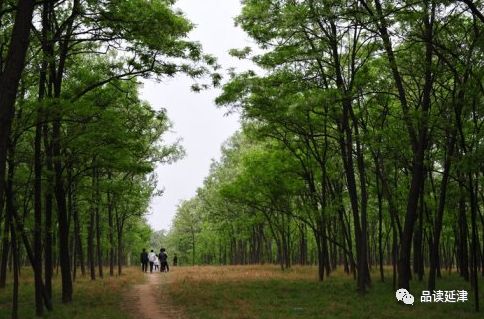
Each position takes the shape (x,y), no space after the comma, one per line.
(99,299)
(237,292)
(263,292)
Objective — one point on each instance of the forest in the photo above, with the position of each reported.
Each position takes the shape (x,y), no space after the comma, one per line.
(359,154)
(361,146)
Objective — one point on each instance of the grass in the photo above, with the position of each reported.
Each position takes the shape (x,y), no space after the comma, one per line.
(245,292)
(92,299)
(260,292)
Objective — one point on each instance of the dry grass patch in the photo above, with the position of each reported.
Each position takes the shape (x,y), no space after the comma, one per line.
(101,298)
(266,292)
(217,274)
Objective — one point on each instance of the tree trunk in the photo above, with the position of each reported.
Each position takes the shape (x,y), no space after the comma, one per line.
(319,247)
(120,252)
(463,235)
(98,225)
(90,233)
(39,308)
(5,251)
(474,241)
(77,231)
(16,267)
(394,251)
(111,235)
(404,272)
(193,247)
(364,205)
(380,226)
(440,212)
(418,242)
(98,245)
(60,195)
(48,239)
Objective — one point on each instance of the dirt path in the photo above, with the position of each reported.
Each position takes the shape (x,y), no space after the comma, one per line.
(147,301)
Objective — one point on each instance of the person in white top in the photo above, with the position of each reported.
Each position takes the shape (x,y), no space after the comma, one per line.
(151,258)
(157,264)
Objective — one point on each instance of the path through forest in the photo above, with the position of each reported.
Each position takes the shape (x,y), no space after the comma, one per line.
(147,300)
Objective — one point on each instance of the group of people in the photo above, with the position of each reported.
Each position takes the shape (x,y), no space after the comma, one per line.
(157,262)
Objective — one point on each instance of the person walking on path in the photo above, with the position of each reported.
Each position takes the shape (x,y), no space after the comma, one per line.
(163,261)
(157,263)
(144,260)
(175,260)
(151,258)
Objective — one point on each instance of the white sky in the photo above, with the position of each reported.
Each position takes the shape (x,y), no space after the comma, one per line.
(197,121)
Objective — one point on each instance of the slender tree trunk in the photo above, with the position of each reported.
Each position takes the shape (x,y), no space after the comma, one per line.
(5,251)
(119,235)
(364,204)
(348,256)
(193,247)
(98,225)
(90,234)
(60,195)
(394,251)
(326,251)
(419,246)
(319,248)
(48,239)
(77,230)
(16,267)
(404,272)
(98,245)
(463,235)
(303,245)
(70,208)
(380,226)
(474,241)
(5,243)
(39,308)
(120,252)
(440,212)
(111,235)
(48,197)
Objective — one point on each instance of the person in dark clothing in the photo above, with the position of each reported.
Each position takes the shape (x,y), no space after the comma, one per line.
(144,260)
(175,260)
(163,261)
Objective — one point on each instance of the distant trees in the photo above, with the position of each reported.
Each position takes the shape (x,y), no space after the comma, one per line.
(364,131)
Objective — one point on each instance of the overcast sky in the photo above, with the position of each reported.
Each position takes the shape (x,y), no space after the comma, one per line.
(196,120)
